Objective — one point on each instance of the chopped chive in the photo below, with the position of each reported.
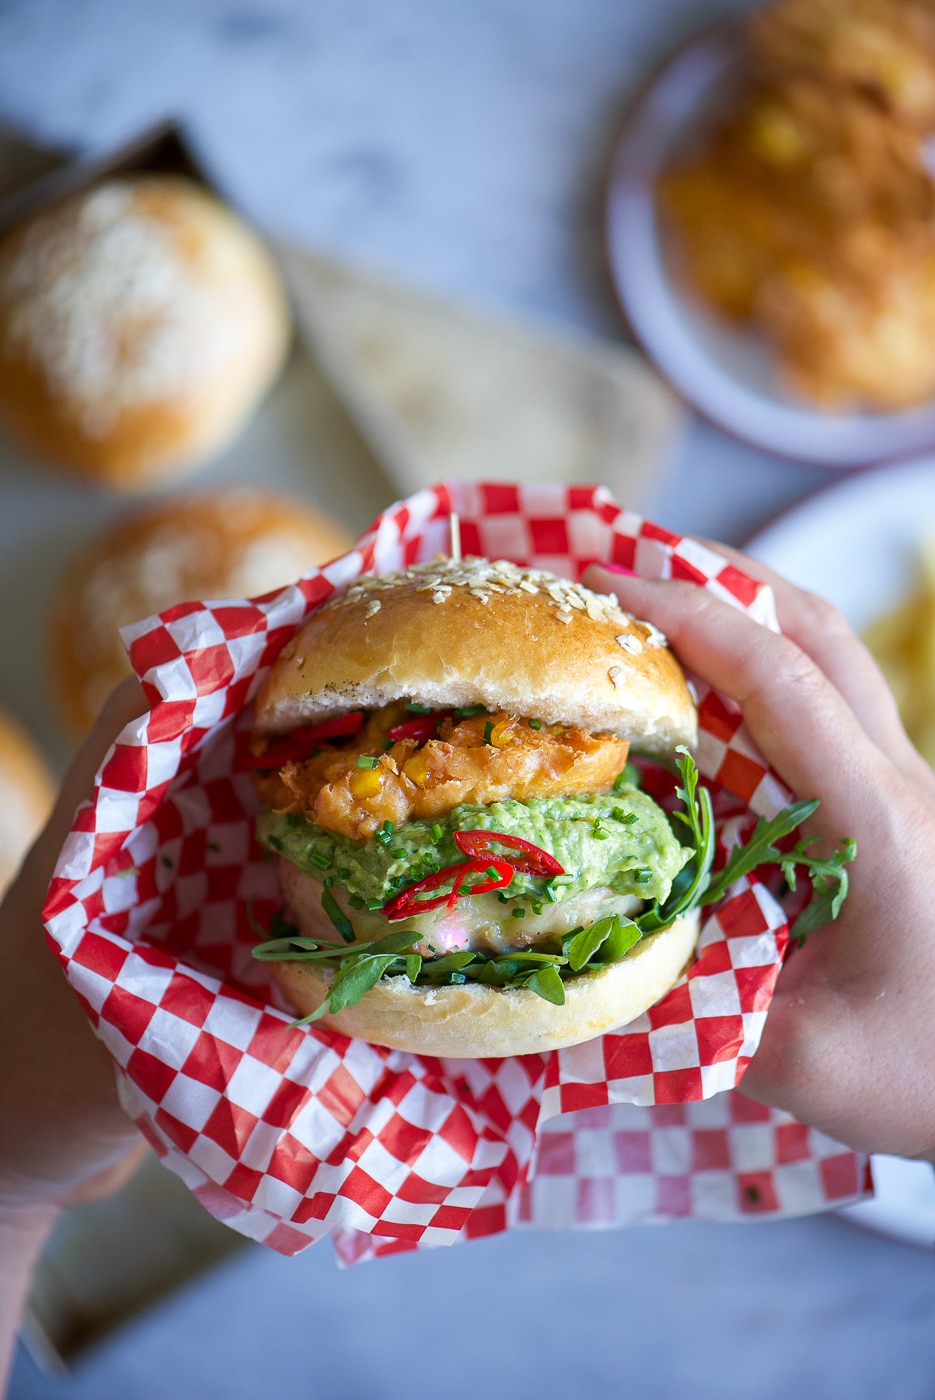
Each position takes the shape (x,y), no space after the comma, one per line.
(416,709)
(437,832)
(387,745)
(374,903)
(518,913)
(488,730)
(384,833)
(274,842)
(400,854)
(366,760)
(355,901)
(340,920)
(329,881)
(493,872)
(642,876)
(343,872)
(620,782)
(466,710)
(537,906)
(317,858)
(534,723)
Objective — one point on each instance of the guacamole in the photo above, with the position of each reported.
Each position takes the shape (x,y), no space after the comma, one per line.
(620,839)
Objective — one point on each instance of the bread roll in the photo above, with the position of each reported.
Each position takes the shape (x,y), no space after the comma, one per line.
(140,323)
(476,1022)
(234,543)
(26,793)
(478,633)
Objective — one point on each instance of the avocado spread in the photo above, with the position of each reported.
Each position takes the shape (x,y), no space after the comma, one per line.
(620,839)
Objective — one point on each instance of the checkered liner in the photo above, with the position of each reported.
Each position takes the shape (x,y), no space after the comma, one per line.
(291,1133)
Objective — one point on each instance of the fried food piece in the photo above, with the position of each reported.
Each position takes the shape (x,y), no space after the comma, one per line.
(482,759)
(783,179)
(884,48)
(860,333)
(812,216)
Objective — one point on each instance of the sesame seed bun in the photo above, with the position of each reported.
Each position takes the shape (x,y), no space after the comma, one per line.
(26,794)
(456,633)
(472,1021)
(140,323)
(219,544)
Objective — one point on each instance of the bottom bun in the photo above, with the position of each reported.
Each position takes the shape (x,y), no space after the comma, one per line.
(472,1021)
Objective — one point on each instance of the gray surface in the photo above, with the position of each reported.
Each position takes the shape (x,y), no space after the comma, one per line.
(463,145)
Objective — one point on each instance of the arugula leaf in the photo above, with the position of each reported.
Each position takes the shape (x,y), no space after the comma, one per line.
(760,850)
(830,883)
(694,878)
(612,937)
(547,983)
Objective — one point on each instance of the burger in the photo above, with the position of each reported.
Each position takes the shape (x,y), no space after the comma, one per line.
(469,863)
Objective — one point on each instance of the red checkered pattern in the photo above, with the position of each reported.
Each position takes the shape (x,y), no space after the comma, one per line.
(290,1134)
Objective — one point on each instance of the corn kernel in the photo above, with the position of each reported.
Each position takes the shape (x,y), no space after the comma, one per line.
(416,770)
(365,782)
(501,734)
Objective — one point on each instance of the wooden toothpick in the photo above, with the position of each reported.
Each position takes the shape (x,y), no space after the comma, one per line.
(454,525)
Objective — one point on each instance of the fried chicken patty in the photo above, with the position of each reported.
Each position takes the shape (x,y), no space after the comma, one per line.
(480,758)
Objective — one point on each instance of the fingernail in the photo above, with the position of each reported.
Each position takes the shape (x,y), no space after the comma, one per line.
(620,569)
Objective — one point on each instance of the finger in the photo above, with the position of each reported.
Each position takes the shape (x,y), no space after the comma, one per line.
(822,632)
(802,724)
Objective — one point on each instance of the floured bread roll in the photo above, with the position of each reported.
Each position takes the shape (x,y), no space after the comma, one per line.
(140,324)
(26,793)
(220,544)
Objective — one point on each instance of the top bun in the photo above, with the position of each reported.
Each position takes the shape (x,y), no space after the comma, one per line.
(239,542)
(140,323)
(472,632)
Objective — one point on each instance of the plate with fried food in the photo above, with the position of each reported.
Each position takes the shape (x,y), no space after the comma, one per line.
(867,543)
(771,227)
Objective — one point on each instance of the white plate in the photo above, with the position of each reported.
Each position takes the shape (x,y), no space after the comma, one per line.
(725,373)
(856,542)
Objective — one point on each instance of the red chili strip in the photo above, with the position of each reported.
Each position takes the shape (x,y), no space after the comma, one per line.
(299,743)
(422,728)
(409,902)
(533,860)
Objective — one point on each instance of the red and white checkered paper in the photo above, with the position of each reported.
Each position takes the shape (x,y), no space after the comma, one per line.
(289,1134)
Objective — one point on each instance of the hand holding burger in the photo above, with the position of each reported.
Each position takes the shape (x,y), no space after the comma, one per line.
(847,1044)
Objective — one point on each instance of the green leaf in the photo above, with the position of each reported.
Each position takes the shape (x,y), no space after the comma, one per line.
(413,966)
(547,984)
(759,849)
(693,880)
(353,982)
(584,945)
(620,940)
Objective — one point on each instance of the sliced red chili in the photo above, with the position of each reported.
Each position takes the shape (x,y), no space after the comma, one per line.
(422,728)
(410,902)
(532,860)
(299,743)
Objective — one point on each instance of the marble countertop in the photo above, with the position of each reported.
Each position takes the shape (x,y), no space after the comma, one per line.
(463,147)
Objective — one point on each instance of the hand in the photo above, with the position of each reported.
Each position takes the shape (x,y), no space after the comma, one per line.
(848,1043)
(65,1139)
